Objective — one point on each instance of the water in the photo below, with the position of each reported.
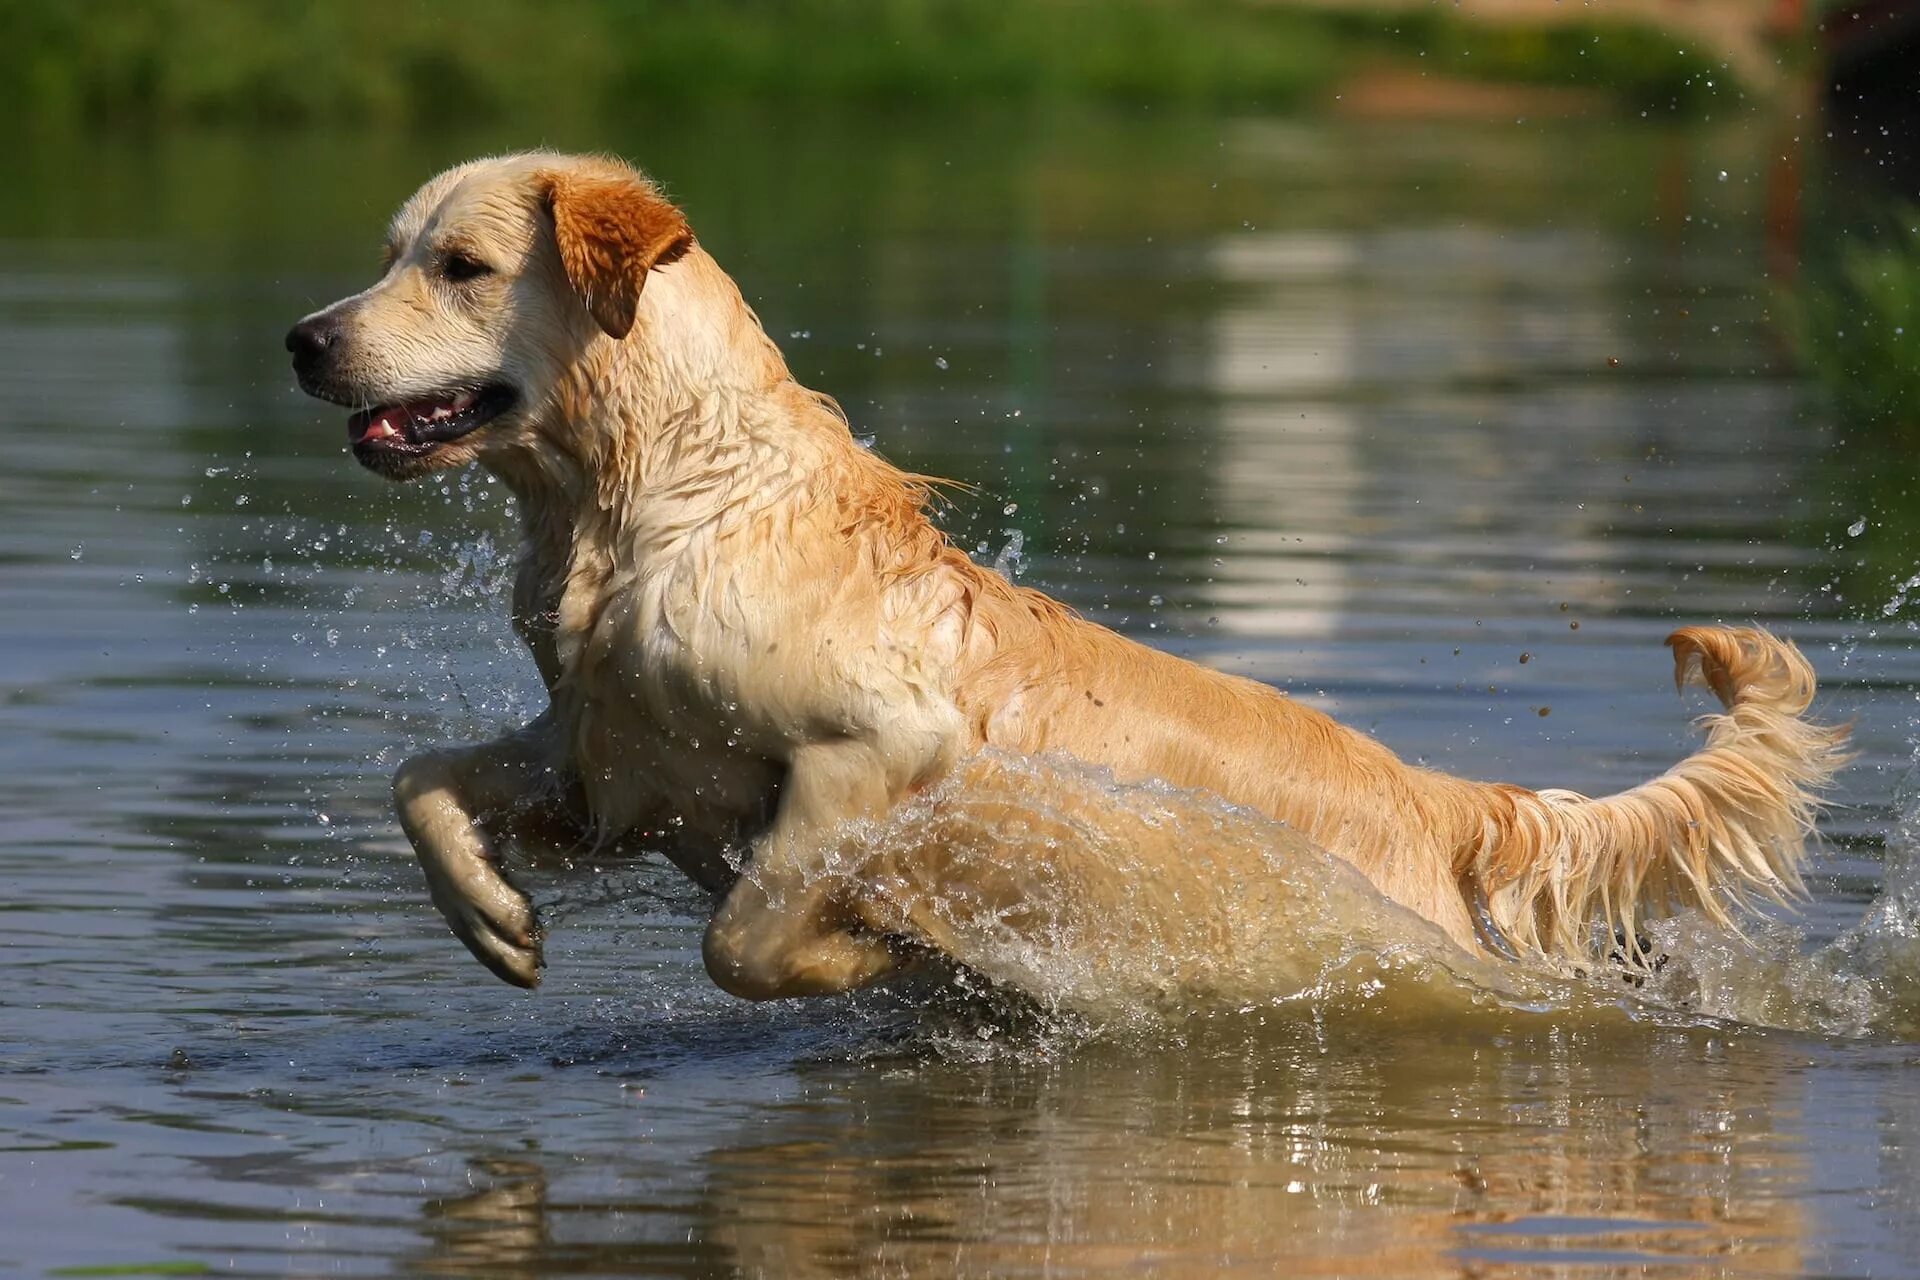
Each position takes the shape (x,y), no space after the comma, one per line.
(1365,409)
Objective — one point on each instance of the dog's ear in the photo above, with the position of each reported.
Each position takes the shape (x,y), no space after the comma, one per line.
(611,231)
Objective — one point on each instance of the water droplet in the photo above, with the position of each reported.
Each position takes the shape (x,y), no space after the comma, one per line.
(1012,560)
(1857,528)
(940,362)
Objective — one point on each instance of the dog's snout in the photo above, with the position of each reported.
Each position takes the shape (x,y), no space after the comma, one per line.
(311,340)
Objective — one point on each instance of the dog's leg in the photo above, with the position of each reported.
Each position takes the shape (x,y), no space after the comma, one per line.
(786,928)
(444,798)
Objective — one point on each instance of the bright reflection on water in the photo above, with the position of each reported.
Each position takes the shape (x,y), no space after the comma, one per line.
(1367,411)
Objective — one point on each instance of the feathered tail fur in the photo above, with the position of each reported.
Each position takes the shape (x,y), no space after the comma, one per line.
(1725,827)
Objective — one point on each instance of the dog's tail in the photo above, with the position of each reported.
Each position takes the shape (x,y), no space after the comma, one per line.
(1725,827)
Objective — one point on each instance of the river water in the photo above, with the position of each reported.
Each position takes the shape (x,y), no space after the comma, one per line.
(1439,426)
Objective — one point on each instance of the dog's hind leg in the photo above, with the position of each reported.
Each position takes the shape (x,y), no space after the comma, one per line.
(788,928)
(453,804)
(768,946)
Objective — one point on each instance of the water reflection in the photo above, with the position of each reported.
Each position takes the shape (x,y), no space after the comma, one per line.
(501,1229)
(1411,422)
(1250,1149)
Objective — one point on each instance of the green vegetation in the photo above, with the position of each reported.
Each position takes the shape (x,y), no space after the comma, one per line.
(1856,325)
(368,61)
(1639,65)
(1859,329)
(137,1269)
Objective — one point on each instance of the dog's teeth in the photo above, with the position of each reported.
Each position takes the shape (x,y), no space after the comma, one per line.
(463,402)
(441,411)
(380,429)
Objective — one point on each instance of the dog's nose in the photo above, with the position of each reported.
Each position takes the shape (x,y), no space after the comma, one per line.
(310,339)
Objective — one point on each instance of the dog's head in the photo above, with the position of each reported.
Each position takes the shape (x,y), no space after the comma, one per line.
(499,276)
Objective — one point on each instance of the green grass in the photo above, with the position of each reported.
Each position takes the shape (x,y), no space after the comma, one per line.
(431,61)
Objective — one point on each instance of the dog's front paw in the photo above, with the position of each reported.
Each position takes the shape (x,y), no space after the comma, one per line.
(486,912)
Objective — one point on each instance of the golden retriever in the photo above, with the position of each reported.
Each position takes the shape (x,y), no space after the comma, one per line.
(752,633)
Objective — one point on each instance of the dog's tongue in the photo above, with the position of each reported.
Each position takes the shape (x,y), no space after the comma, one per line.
(393,421)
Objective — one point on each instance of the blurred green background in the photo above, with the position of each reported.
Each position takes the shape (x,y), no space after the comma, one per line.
(375,61)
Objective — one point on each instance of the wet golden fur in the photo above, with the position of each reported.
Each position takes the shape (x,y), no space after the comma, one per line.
(752,632)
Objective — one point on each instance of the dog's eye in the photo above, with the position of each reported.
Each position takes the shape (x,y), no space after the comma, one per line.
(460,266)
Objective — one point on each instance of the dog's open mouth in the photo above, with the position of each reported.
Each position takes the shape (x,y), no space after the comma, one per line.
(416,426)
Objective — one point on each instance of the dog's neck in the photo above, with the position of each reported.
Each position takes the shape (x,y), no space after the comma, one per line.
(655,446)
(692,416)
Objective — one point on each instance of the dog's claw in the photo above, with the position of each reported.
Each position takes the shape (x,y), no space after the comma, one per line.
(516,960)
(495,920)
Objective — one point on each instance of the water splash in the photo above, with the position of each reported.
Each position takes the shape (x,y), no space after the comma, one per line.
(1120,902)
(1011,563)
(1865,983)
(1131,906)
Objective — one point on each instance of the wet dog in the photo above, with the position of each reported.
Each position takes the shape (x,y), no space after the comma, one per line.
(753,635)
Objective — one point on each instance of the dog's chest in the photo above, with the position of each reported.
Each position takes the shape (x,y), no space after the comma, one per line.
(672,703)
